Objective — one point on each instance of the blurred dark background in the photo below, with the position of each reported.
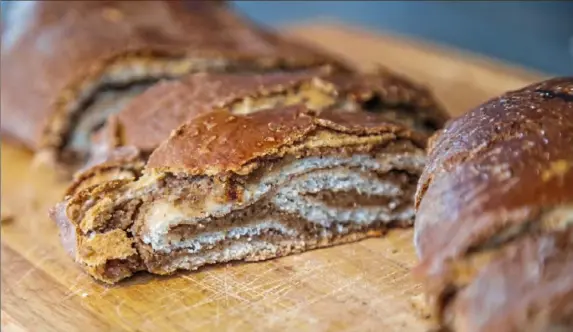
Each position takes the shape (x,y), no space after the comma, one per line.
(533,34)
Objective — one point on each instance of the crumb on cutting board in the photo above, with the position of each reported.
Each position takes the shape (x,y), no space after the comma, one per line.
(420,307)
(6,215)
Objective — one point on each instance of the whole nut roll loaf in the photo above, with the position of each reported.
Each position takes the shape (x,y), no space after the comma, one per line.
(494,225)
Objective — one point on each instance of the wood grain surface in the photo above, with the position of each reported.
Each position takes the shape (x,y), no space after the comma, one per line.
(363,286)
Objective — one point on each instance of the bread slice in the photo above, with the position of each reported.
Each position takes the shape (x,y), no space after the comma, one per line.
(88,59)
(248,187)
(494,225)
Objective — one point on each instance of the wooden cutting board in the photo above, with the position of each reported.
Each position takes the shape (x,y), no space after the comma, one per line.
(356,287)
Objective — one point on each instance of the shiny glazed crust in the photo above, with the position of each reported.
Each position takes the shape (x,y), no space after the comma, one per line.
(495,214)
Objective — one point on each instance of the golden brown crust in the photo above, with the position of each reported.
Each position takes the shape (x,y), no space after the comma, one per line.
(493,176)
(219,142)
(52,48)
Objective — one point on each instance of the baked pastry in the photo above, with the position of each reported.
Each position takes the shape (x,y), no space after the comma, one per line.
(66,66)
(149,119)
(245,182)
(246,187)
(494,224)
